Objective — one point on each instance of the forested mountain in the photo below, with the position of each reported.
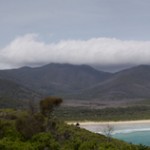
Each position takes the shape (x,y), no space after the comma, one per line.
(133,83)
(77,82)
(56,78)
(12,94)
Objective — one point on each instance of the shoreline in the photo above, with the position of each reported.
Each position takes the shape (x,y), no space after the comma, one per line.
(118,126)
(123,130)
(109,122)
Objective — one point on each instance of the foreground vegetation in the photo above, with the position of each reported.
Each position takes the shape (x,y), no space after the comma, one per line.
(29,132)
(40,130)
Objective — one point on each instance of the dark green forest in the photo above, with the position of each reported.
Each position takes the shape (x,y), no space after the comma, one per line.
(105,114)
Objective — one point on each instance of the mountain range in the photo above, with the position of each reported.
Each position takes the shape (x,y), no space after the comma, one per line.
(133,83)
(75,82)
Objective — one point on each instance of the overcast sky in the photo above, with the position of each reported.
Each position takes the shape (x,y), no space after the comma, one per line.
(104,33)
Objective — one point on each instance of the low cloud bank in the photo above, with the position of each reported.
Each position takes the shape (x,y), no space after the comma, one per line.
(28,50)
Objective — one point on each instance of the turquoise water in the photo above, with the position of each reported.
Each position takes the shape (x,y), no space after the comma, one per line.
(138,137)
(136,133)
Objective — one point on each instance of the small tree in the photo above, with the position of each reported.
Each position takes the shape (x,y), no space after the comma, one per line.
(30,124)
(108,130)
(48,104)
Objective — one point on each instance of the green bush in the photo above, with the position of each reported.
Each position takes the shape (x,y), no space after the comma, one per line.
(89,145)
(7,129)
(45,140)
(30,125)
(9,144)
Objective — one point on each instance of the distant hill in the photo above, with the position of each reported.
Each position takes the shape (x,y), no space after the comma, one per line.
(133,83)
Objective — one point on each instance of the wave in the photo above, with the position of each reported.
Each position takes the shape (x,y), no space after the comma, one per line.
(124,131)
(119,129)
(131,130)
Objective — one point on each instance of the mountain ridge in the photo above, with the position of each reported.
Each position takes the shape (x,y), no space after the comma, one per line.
(132,83)
(55,78)
(82,81)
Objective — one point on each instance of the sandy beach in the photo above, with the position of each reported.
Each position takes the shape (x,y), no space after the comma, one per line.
(82,123)
(119,126)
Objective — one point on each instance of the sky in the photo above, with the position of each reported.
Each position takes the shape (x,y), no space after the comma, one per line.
(107,34)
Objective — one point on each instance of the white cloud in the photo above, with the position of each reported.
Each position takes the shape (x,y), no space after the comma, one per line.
(29,50)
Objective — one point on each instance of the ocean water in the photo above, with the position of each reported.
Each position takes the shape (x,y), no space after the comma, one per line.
(136,133)
(135,137)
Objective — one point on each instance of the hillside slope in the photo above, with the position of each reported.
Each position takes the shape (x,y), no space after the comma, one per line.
(56,78)
(26,131)
(133,83)
(13,94)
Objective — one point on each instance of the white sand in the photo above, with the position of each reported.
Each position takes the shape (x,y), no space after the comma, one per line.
(119,126)
(110,122)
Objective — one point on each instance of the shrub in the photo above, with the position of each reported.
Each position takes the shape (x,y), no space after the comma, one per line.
(30,125)
(45,140)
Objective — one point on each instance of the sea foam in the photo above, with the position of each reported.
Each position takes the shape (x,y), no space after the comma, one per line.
(130,130)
